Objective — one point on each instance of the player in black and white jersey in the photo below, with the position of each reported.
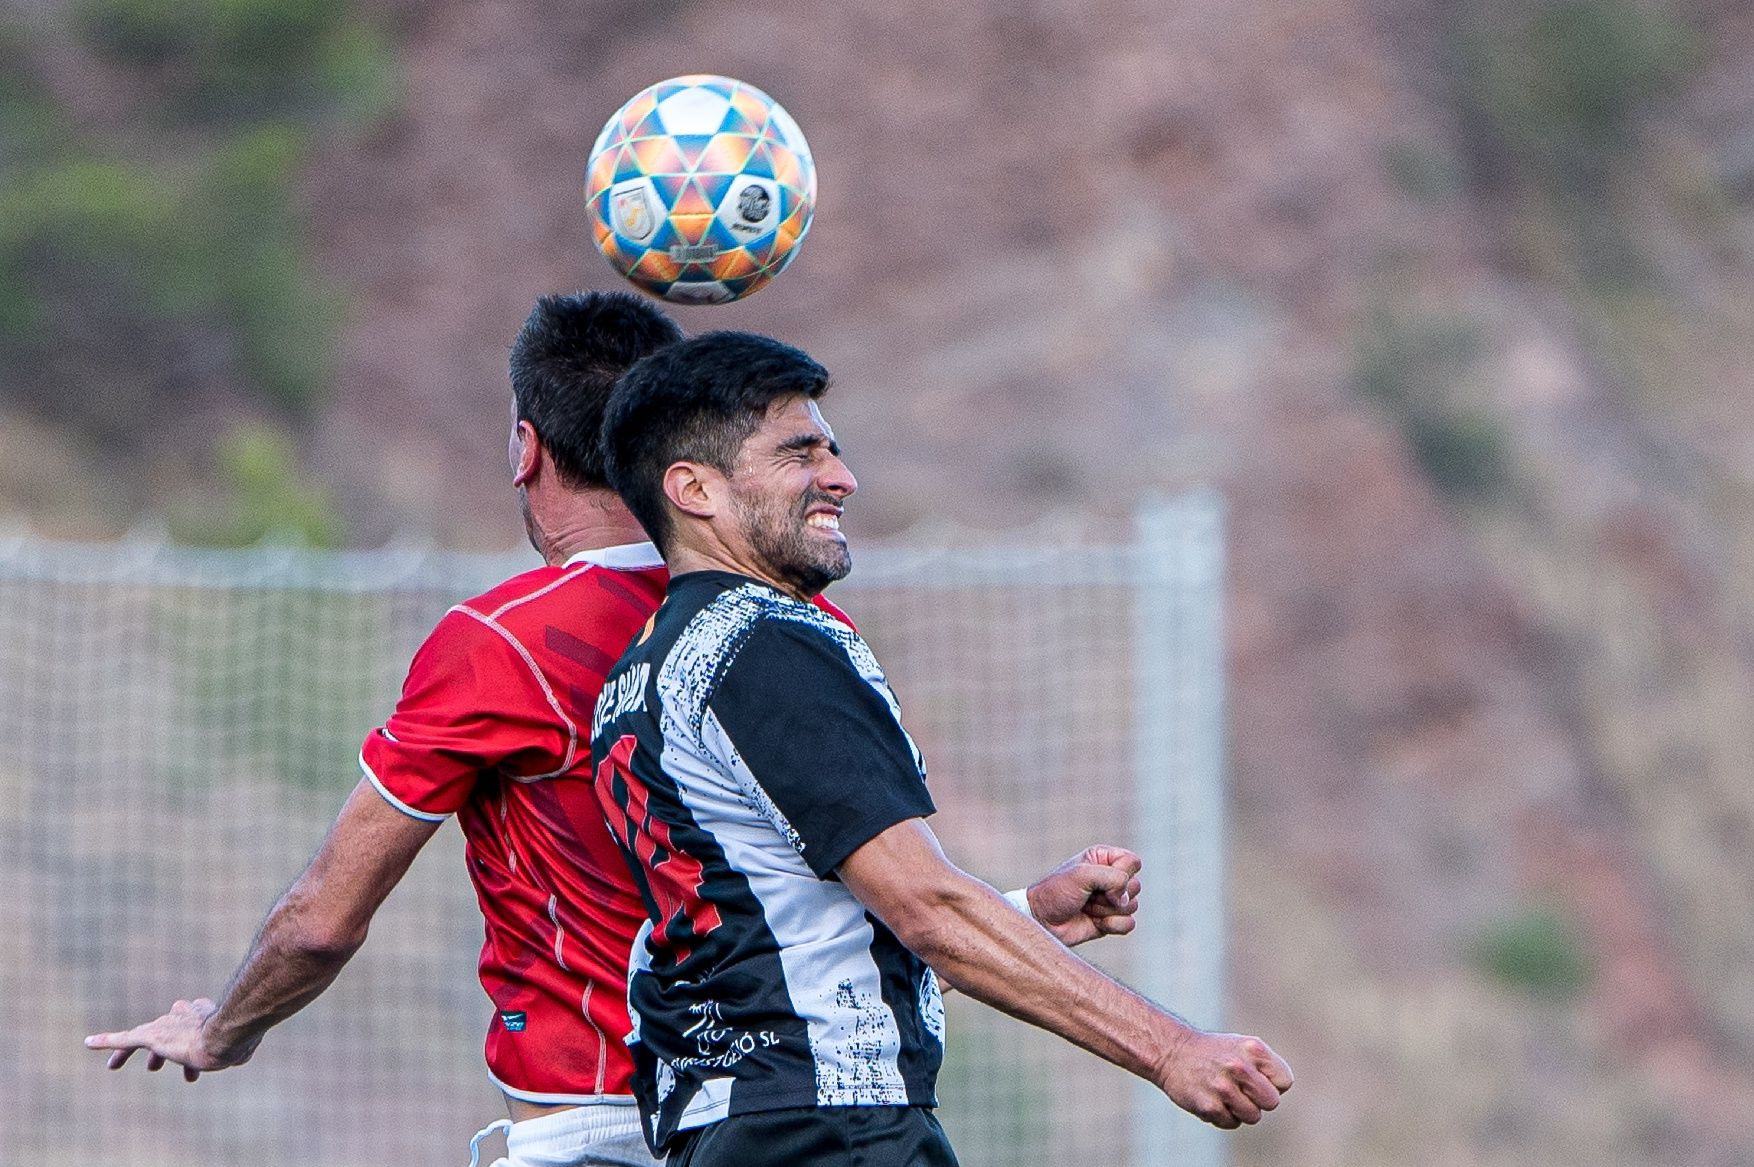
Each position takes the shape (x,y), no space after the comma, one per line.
(751,761)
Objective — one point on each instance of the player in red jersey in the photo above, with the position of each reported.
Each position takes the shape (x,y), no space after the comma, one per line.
(494,726)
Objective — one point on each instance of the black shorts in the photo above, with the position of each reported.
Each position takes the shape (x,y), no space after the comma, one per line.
(819,1136)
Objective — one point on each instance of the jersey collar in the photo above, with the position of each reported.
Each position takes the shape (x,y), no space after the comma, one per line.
(622,557)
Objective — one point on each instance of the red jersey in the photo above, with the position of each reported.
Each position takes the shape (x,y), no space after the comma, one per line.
(494,726)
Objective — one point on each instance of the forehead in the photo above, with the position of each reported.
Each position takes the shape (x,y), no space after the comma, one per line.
(790,417)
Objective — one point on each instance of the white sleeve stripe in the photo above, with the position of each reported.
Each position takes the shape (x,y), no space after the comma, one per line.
(423,816)
(535,595)
(572,730)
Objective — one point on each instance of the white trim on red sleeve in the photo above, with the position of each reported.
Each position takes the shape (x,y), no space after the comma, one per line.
(423,816)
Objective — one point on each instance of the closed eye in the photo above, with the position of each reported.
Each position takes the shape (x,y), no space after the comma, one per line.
(808,444)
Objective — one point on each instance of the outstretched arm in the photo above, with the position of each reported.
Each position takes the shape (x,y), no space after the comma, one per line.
(969,934)
(308,936)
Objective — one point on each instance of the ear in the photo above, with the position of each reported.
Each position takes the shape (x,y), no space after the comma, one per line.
(694,488)
(529,454)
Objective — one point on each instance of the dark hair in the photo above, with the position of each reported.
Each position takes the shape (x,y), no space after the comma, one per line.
(695,401)
(566,360)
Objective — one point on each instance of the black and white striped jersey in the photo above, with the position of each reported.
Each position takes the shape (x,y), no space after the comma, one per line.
(744,746)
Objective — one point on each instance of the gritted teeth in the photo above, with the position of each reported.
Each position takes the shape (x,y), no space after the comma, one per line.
(832,522)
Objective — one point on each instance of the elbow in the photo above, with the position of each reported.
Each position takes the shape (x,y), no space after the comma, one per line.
(326,942)
(321,937)
(332,946)
(314,927)
(928,925)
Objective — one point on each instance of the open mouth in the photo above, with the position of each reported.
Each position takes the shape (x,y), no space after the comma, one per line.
(825,521)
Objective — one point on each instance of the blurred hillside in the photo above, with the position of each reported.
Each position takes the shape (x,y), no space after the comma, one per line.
(1452,302)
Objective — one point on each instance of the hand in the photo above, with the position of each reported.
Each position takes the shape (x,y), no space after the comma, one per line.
(179,1036)
(1226,1079)
(1090,895)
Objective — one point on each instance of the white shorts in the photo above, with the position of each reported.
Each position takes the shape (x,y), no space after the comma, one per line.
(597,1134)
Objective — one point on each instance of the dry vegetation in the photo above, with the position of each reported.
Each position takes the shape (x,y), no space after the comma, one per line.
(1454,310)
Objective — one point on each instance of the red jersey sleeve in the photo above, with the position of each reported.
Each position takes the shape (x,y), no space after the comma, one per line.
(473,701)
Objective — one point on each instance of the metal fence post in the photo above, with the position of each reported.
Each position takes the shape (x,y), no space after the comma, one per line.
(1179,793)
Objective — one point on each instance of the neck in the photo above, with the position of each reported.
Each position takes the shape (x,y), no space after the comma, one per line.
(581,520)
(683,559)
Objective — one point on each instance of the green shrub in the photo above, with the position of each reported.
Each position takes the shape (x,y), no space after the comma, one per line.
(357,69)
(1410,366)
(244,60)
(1556,85)
(1405,359)
(115,222)
(1422,171)
(223,248)
(1536,949)
(284,317)
(260,495)
(279,35)
(1462,454)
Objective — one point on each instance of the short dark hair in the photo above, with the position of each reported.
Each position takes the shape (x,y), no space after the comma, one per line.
(695,401)
(566,360)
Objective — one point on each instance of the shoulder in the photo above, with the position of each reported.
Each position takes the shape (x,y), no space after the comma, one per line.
(518,589)
(787,635)
(583,598)
(701,639)
(833,609)
(736,614)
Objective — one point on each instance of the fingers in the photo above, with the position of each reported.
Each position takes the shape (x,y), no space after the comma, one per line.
(174,1037)
(1101,879)
(1122,900)
(1216,1111)
(1241,1107)
(1271,1065)
(112,1041)
(1256,1088)
(1254,1081)
(1109,856)
(1236,1079)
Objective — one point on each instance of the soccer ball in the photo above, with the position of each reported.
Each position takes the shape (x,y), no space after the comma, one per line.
(700,189)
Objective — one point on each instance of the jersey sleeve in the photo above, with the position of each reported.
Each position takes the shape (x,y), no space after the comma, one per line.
(820,740)
(472,703)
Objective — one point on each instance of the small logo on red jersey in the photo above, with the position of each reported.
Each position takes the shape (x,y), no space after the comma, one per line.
(514,1022)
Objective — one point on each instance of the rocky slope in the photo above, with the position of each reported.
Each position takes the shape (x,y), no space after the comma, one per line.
(1069,253)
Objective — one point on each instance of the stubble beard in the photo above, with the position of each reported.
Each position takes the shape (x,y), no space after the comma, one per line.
(783,543)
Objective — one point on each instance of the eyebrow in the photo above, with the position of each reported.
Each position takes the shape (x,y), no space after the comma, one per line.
(808,441)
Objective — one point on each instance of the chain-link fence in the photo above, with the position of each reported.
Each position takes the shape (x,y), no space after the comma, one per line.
(177,729)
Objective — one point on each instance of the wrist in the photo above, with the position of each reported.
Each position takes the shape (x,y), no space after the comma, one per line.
(1174,1049)
(1019,899)
(223,1046)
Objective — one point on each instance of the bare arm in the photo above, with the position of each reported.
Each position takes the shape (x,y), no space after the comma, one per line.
(303,944)
(1090,895)
(969,934)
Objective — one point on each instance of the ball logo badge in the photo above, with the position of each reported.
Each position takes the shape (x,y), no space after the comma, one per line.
(700,189)
(632,213)
(753,203)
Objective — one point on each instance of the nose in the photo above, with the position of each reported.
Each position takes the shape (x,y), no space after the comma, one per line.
(836,479)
